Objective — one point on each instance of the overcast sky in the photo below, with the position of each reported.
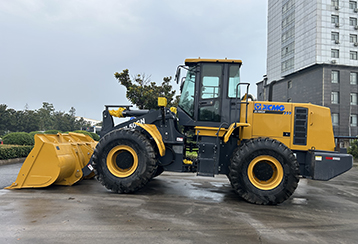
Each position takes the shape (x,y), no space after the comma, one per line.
(65,52)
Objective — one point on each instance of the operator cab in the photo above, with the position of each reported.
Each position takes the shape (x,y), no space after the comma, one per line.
(210,92)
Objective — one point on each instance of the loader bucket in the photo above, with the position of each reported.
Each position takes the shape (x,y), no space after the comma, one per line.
(55,159)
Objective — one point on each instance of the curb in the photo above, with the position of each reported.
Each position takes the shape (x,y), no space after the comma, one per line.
(12,161)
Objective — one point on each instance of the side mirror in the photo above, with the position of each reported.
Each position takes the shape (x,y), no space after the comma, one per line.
(177,75)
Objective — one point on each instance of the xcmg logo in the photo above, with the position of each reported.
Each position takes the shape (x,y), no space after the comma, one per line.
(269,107)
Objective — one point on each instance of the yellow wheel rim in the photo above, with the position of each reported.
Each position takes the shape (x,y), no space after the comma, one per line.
(119,168)
(265,172)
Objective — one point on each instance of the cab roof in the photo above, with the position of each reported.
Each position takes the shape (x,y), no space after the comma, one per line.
(191,61)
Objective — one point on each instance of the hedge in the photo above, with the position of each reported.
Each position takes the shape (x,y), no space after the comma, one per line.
(18,138)
(94,136)
(52,132)
(14,151)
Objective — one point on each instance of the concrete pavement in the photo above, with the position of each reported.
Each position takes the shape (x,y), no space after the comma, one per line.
(177,208)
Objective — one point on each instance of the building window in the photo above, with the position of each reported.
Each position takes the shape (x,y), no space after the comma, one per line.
(352,5)
(335,53)
(287,50)
(353,21)
(286,65)
(289,84)
(335,3)
(353,78)
(353,98)
(288,34)
(335,36)
(353,120)
(335,119)
(288,20)
(353,55)
(287,6)
(335,76)
(335,97)
(352,38)
(335,19)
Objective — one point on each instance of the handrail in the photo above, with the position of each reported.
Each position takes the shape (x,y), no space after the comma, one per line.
(246,102)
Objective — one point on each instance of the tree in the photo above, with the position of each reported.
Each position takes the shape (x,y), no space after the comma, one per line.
(43,119)
(72,112)
(353,149)
(46,116)
(4,118)
(144,93)
(28,121)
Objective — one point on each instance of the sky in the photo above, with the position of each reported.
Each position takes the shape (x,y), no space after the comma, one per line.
(65,52)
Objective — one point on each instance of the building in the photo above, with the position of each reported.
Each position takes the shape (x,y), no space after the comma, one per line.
(94,125)
(92,122)
(312,57)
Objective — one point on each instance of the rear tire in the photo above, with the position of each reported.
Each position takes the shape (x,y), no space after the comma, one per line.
(264,171)
(124,161)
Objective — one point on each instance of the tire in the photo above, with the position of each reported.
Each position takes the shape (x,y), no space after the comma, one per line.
(264,171)
(124,161)
(158,171)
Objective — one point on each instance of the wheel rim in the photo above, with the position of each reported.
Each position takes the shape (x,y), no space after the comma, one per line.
(265,172)
(122,161)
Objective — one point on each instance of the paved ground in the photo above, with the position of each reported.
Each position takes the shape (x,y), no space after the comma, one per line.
(177,208)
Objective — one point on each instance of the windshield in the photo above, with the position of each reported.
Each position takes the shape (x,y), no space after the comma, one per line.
(186,101)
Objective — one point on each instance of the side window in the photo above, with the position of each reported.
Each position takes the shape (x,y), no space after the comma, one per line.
(234,80)
(210,86)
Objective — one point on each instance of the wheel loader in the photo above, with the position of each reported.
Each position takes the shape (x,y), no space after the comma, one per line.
(262,147)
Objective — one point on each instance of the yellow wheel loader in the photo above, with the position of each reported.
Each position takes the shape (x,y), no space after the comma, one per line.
(263,147)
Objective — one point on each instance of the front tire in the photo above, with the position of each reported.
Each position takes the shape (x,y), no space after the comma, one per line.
(124,161)
(264,171)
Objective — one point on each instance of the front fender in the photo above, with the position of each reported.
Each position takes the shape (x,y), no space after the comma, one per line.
(153,131)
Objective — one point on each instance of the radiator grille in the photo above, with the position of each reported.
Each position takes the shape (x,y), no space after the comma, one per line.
(300,129)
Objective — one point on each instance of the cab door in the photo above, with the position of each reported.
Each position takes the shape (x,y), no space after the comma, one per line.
(210,92)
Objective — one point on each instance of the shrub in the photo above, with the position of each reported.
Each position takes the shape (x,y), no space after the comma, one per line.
(14,151)
(33,133)
(52,132)
(353,149)
(94,136)
(18,138)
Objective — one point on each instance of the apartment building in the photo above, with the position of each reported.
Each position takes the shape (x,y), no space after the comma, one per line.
(312,56)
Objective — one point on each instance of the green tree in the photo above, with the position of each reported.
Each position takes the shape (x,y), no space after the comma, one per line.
(12,120)
(26,121)
(31,121)
(144,93)
(43,119)
(46,116)
(353,149)
(4,118)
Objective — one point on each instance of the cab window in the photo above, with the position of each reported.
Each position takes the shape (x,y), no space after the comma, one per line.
(234,80)
(210,93)
(186,101)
